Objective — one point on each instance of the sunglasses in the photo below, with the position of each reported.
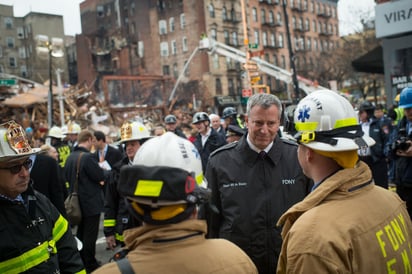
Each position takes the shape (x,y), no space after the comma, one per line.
(17,168)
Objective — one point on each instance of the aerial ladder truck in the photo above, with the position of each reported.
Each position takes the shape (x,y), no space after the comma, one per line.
(255,65)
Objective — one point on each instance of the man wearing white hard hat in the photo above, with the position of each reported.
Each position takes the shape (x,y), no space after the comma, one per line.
(346,224)
(55,137)
(116,216)
(73,131)
(35,237)
(163,189)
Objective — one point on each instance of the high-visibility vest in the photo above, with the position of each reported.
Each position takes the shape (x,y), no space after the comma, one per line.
(399,115)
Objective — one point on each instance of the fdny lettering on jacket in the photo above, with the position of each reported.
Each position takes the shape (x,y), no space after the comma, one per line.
(392,240)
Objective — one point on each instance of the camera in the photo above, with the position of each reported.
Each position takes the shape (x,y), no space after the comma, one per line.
(401,143)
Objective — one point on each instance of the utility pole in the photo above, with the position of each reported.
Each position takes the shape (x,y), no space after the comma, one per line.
(291,54)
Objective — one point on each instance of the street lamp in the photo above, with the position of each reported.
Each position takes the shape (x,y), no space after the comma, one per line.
(50,48)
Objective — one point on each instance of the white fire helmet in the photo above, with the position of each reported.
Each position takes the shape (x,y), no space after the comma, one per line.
(133,131)
(170,150)
(326,121)
(14,144)
(56,132)
(73,128)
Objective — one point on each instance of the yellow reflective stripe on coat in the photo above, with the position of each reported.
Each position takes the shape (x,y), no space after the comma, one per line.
(60,227)
(109,223)
(38,254)
(119,237)
(26,260)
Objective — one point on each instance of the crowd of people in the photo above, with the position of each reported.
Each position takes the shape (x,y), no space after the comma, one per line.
(230,195)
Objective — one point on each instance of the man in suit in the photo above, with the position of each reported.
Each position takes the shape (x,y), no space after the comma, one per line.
(90,181)
(104,152)
(49,183)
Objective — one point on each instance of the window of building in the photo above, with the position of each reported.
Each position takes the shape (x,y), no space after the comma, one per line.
(263,16)
(294,22)
(22,53)
(8,22)
(279,18)
(256,36)
(10,42)
(315,44)
(23,71)
(216,61)
(184,42)
(100,11)
(320,27)
(272,39)
(164,49)
(307,25)
(140,49)
(132,8)
(1,51)
(314,26)
(166,70)
(312,7)
(224,14)
(174,47)
(175,71)
(280,40)
(162,27)
(283,61)
(187,69)
(218,85)
(12,62)
(182,21)
(275,59)
(265,39)
(309,43)
(172,24)
(226,37)
(300,23)
(234,39)
(231,87)
(1,68)
(271,17)
(305,5)
(211,11)
(233,14)
(254,15)
(213,34)
(20,32)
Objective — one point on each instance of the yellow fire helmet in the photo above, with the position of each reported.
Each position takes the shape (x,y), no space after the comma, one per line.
(326,121)
(13,142)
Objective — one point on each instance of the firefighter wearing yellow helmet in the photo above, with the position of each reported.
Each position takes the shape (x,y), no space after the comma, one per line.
(116,216)
(346,223)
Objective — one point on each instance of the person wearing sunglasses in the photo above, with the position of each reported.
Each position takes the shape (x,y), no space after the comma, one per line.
(36,238)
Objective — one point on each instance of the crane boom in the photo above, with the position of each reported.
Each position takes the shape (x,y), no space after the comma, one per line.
(213,46)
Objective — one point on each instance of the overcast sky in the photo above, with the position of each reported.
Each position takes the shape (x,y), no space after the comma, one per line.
(350,12)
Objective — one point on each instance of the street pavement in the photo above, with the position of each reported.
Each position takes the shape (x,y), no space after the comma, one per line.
(102,254)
